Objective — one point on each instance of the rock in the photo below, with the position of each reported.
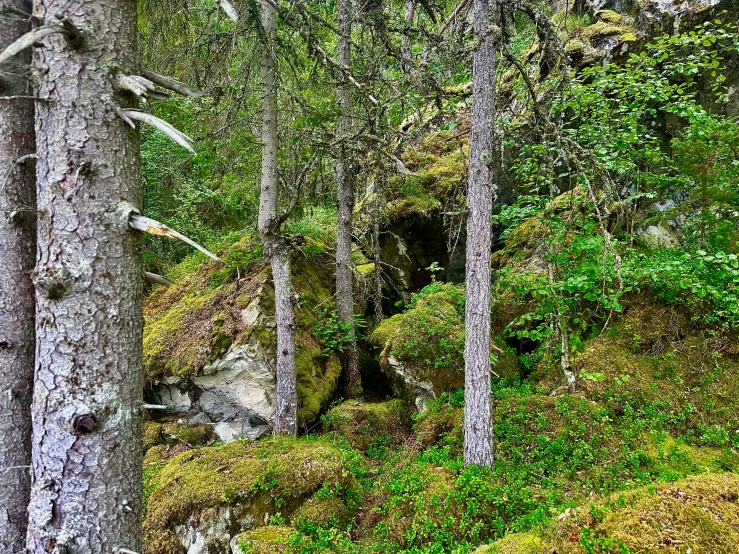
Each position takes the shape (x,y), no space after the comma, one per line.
(204,498)
(657,236)
(423,348)
(229,431)
(209,351)
(363,424)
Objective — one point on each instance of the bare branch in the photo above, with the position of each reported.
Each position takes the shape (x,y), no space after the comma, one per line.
(153,407)
(171,84)
(177,136)
(158,279)
(153,227)
(28,40)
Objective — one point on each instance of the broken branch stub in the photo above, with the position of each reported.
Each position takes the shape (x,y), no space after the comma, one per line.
(28,40)
(158,279)
(171,84)
(177,136)
(154,227)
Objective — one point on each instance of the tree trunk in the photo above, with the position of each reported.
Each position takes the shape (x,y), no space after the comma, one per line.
(406,44)
(478,424)
(87,446)
(269,228)
(17,258)
(345,201)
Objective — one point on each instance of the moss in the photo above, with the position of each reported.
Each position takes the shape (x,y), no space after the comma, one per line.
(271,539)
(609,16)
(152,434)
(443,424)
(515,543)
(324,511)
(386,330)
(654,356)
(194,323)
(261,478)
(316,376)
(428,340)
(603,29)
(366,269)
(699,514)
(364,423)
(192,434)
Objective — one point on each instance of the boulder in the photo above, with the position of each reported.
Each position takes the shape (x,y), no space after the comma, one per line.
(204,498)
(365,424)
(423,348)
(210,342)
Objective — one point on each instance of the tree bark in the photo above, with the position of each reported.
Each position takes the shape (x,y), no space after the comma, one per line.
(17,304)
(269,229)
(478,424)
(87,446)
(345,209)
(406,44)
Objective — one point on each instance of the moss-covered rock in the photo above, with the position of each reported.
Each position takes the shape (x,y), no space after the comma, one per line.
(423,348)
(192,434)
(271,539)
(152,434)
(699,514)
(221,491)
(654,356)
(210,340)
(363,424)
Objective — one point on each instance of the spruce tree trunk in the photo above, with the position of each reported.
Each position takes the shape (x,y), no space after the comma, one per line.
(345,201)
(269,228)
(87,445)
(478,424)
(17,258)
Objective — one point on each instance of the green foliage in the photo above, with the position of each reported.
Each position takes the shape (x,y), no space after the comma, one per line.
(335,335)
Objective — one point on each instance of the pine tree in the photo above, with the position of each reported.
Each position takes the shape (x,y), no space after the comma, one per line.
(87,448)
(478,424)
(17,258)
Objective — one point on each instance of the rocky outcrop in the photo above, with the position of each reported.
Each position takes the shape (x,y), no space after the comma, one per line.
(209,344)
(423,348)
(204,499)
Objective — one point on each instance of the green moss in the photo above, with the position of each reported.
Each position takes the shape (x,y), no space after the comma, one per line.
(271,539)
(152,434)
(363,424)
(609,16)
(515,543)
(193,323)
(324,511)
(261,478)
(699,514)
(192,434)
(366,269)
(428,340)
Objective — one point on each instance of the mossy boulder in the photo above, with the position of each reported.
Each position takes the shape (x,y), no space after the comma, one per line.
(699,514)
(210,340)
(654,357)
(212,494)
(423,348)
(364,424)
(271,539)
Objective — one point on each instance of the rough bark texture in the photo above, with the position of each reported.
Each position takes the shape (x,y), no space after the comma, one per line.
(406,43)
(87,445)
(17,257)
(269,227)
(345,201)
(478,424)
